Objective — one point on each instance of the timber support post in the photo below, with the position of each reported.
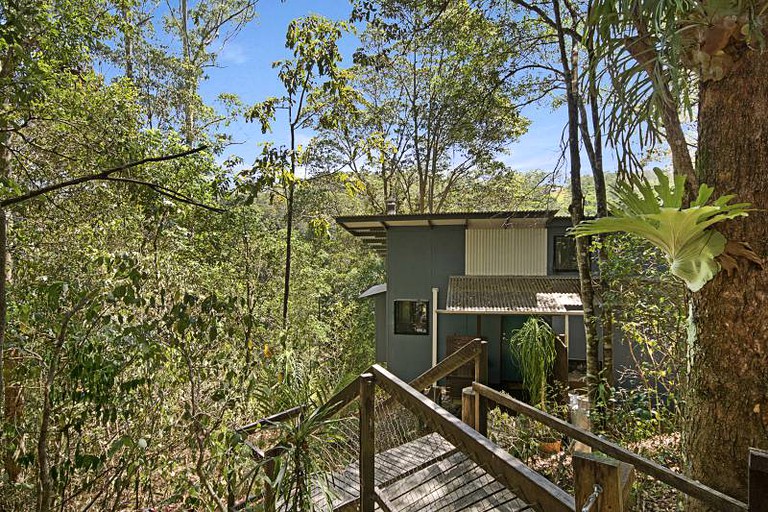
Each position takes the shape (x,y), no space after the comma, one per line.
(758,480)
(601,484)
(560,373)
(367,447)
(269,490)
(481,376)
(468,398)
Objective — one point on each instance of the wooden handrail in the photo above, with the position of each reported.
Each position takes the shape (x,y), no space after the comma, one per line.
(450,364)
(271,420)
(687,485)
(337,402)
(511,472)
(349,393)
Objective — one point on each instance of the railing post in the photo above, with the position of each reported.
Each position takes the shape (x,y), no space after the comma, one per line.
(602,484)
(468,398)
(481,376)
(269,490)
(579,409)
(230,477)
(758,480)
(367,448)
(560,373)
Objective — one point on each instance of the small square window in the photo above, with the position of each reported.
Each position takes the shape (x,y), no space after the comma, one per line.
(565,254)
(411,317)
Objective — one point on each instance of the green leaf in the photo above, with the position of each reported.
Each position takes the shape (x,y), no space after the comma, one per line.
(685,235)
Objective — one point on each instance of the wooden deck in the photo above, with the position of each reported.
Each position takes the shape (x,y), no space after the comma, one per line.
(427,474)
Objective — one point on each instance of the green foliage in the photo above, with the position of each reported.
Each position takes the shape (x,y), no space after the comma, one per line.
(685,235)
(434,110)
(142,328)
(650,309)
(533,346)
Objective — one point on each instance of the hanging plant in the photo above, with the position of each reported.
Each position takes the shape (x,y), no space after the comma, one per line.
(686,235)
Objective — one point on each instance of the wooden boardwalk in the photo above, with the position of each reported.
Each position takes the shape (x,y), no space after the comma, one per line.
(427,474)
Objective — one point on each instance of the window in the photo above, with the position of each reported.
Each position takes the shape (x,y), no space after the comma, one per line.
(411,317)
(565,254)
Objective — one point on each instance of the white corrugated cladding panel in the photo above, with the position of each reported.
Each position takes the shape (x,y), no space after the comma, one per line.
(506,252)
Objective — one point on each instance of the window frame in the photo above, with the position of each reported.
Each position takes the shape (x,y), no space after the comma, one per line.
(412,332)
(555,252)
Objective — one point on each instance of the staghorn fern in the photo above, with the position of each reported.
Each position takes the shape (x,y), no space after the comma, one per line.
(685,235)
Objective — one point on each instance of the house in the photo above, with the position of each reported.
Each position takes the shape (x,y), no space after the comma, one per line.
(452,277)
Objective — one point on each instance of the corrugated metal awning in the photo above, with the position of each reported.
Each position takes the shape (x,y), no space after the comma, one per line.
(545,295)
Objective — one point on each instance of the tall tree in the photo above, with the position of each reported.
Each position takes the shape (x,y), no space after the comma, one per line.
(316,90)
(558,57)
(435,109)
(716,55)
(203,29)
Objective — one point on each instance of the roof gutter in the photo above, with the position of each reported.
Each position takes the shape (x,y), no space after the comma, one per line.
(547,312)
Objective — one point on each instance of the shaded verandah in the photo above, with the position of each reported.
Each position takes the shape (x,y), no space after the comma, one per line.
(510,301)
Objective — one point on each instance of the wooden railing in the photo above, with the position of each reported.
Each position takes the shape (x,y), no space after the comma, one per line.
(601,484)
(526,483)
(476,350)
(758,498)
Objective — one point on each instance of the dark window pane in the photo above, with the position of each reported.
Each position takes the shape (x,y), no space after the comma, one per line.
(411,317)
(565,254)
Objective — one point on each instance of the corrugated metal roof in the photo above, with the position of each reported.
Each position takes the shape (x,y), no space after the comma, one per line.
(373,290)
(372,229)
(513,294)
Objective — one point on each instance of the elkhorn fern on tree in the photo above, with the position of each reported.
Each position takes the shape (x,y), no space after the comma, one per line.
(685,235)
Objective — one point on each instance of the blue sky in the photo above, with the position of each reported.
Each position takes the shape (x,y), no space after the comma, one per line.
(245,69)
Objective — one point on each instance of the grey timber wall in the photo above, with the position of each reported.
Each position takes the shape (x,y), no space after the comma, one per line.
(419,259)
(380,314)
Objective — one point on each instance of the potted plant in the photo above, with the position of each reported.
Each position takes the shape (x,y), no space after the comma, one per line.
(533,345)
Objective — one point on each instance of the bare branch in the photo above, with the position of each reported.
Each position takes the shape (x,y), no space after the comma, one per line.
(102,175)
(165,191)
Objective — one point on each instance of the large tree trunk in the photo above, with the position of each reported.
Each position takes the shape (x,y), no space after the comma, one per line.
(728,399)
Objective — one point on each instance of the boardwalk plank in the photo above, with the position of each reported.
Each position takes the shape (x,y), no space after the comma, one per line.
(471,490)
(504,500)
(425,475)
(434,488)
(452,483)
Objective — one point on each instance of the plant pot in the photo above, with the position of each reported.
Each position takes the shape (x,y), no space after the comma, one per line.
(550,447)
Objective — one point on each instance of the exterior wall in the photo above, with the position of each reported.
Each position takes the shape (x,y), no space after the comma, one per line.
(577,344)
(380,315)
(466,325)
(419,259)
(506,252)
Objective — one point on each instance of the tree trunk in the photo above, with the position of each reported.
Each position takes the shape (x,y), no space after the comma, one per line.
(728,399)
(126,16)
(570,65)
(190,82)
(288,249)
(6,396)
(289,221)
